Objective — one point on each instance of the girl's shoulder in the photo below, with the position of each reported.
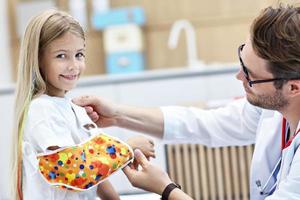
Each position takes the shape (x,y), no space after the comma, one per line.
(42,99)
(46,107)
(47,102)
(40,104)
(43,111)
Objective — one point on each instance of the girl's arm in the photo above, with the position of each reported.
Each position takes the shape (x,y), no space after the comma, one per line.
(106,191)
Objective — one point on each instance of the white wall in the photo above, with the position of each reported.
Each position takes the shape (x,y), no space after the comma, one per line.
(5,64)
(6,124)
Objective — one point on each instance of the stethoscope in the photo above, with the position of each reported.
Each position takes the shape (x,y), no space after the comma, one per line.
(263,190)
(285,142)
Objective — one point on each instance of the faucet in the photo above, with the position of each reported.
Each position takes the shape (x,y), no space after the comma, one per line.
(193,61)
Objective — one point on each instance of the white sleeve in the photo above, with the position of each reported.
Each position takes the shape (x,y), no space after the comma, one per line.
(45,127)
(289,188)
(234,124)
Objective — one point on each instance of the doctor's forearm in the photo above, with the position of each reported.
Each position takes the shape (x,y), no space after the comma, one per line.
(177,194)
(147,120)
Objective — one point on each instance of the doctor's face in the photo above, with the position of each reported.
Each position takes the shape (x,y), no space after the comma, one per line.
(263,94)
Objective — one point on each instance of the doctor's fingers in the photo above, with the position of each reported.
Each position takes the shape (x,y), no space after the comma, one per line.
(89,109)
(140,158)
(91,113)
(131,173)
(87,100)
(94,116)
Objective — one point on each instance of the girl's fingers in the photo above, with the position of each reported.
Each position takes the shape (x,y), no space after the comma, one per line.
(151,142)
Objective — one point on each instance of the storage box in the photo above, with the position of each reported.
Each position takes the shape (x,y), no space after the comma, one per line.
(125,62)
(134,15)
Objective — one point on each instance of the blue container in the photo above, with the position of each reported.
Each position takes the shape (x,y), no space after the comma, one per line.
(125,62)
(118,16)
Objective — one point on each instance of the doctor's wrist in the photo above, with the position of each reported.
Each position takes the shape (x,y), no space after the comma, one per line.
(163,186)
(170,190)
(120,118)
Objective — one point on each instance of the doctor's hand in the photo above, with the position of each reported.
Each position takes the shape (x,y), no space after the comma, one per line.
(102,112)
(150,178)
(105,114)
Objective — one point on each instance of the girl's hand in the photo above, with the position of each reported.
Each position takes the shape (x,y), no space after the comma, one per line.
(146,145)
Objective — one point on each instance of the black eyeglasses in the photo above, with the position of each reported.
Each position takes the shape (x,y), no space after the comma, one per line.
(246,73)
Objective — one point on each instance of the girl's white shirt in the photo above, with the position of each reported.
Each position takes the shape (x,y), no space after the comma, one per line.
(238,124)
(51,121)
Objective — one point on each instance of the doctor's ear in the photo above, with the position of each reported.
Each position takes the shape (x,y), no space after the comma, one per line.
(294,87)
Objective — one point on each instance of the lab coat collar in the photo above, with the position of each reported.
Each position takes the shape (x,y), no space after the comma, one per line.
(298,127)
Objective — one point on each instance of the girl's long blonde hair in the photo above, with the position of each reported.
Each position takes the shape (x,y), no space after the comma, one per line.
(40,32)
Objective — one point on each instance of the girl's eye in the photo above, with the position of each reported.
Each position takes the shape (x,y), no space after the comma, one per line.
(80,55)
(61,56)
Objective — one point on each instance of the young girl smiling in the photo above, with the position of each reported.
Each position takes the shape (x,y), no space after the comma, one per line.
(52,58)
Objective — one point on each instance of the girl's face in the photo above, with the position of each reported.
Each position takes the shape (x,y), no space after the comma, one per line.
(62,62)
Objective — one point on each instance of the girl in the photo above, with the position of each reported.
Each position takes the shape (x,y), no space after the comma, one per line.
(52,58)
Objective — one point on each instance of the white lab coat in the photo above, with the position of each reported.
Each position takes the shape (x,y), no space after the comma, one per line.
(239,124)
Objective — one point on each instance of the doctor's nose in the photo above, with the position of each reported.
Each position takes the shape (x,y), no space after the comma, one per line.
(240,75)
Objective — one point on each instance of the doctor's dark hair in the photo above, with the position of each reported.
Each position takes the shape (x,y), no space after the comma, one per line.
(275,37)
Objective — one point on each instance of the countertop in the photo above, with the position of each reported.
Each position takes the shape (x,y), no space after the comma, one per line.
(148,75)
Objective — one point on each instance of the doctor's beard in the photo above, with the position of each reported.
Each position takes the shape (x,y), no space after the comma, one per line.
(277,101)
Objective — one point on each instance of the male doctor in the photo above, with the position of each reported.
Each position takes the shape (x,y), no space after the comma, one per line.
(268,116)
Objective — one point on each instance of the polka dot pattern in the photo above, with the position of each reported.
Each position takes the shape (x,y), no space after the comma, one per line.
(80,167)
